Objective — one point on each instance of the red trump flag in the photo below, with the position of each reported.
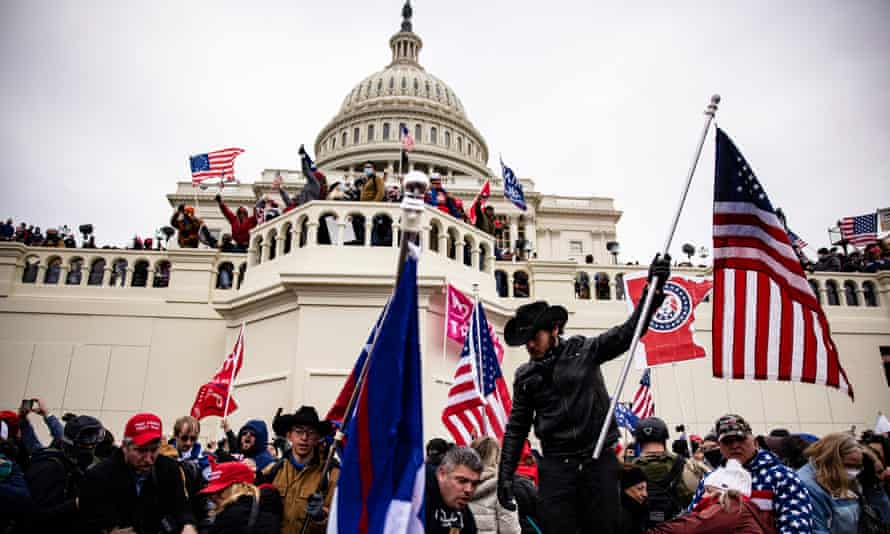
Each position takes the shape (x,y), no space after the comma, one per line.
(214,397)
(670,335)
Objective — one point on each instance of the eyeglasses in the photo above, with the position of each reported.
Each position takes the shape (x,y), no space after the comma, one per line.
(304,432)
(188,438)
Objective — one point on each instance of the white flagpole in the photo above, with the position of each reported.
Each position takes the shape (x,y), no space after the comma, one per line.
(239,349)
(710,111)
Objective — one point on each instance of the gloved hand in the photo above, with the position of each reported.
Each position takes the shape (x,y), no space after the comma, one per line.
(660,267)
(314,507)
(301,151)
(505,494)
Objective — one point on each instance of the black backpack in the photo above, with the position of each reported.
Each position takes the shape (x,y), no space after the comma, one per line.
(663,505)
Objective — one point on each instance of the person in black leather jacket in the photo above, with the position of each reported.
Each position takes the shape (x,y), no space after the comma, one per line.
(561,391)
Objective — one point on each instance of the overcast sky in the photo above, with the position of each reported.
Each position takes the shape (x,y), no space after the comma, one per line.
(102,101)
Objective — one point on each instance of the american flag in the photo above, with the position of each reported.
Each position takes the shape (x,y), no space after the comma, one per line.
(216,164)
(767,323)
(796,241)
(407,139)
(860,230)
(478,403)
(643,406)
(625,418)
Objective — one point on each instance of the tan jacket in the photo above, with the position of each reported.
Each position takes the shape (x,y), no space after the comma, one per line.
(374,190)
(295,488)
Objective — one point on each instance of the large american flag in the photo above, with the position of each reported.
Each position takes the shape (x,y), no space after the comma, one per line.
(212,165)
(643,406)
(767,323)
(861,229)
(478,402)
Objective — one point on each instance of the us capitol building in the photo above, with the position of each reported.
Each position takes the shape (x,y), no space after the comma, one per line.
(114,332)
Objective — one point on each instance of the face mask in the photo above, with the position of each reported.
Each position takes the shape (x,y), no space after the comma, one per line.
(714,457)
(853,473)
(369,172)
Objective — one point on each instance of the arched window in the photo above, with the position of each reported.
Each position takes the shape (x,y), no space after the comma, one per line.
(386,127)
(427,84)
(418,133)
(258,249)
(333,142)
(392,84)
(500,283)
(814,285)
(140,274)
(381,231)
(434,237)
(304,231)
(273,244)
(356,132)
(447,139)
(869,295)
(434,136)
(438,92)
(356,223)
(850,294)
(404,84)
(53,271)
(460,144)
(483,256)
(327,226)
(619,286)
(582,286)
(162,274)
(831,295)
(343,140)
(242,271)
(416,86)
(288,237)
(225,276)
(97,272)
(379,86)
(520,285)
(468,251)
(370,132)
(601,282)
(452,243)
(119,273)
(75,272)
(29,274)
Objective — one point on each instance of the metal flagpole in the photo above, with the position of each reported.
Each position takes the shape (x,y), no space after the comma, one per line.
(710,111)
(682,411)
(412,212)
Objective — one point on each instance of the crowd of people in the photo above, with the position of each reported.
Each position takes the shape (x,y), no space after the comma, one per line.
(875,257)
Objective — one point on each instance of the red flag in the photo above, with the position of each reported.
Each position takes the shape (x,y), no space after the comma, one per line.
(457,319)
(669,338)
(212,396)
(480,199)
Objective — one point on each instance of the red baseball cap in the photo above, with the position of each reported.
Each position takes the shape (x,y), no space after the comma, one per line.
(143,428)
(224,475)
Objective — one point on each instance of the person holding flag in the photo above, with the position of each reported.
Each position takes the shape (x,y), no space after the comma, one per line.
(561,391)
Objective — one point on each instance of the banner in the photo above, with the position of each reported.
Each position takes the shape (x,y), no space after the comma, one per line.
(670,335)
(213,396)
(457,319)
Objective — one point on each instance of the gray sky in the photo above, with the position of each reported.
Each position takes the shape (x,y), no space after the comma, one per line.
(104,100)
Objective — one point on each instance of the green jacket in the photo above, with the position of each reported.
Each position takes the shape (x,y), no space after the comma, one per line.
(657,466)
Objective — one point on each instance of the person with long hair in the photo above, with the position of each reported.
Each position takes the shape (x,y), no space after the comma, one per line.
(238,505)
(491,517)
(830,476)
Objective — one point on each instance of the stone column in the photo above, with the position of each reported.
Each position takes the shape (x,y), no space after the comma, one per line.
(150,278)
(312,233)
(63,274)
(514,232)
(395,236)
(341,231)
(252,258)
(264,251)
(279,244)
(530,235)
(41,272)
(84,274)
(106,275)
(443,243)
(474,257)
(368,228)
(129,277)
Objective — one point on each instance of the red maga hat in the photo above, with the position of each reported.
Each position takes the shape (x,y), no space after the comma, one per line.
(226,474)
(143,428)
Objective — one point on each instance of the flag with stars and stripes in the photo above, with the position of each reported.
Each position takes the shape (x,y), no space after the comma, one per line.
(625,418)
(643,405)
(861,229)
(478,402)
(217,164)
(767,323)
(796,241)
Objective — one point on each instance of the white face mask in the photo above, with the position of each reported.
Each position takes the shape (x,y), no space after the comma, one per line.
(853,473)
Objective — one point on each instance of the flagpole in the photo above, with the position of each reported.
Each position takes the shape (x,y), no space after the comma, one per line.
(682,411)
(710,111)
(239,347)
(447,310)
(412,214)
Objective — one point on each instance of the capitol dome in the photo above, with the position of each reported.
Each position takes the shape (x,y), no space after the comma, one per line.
(369,121)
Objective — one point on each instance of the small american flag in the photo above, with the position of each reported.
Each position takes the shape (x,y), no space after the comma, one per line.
(478,403)
(407,139)
(796,241)
(643,406)
(767,323)
(216,164)
(860,230)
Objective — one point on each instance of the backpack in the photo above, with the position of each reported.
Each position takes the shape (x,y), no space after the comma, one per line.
(663,505)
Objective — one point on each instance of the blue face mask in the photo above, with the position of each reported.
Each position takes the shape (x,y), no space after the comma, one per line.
(369,172)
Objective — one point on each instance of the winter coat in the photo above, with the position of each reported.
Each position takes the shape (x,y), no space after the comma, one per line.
(15,500)
(878,500)
(565,396)
(831,515)
(234,519)
(240,229)
(312,190)
(657,466)
(632,516)
(108,496)
(483,221)
(439,518)
(258,453)
(526,494)
(29,437)
(295,487)
(711,518)
(490,516)
(374,190)
(188,228)
(54,482)
(777,490)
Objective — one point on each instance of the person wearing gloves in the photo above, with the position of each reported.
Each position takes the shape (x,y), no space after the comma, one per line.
(491,517)
(725,507)
(561,391)
(830,476)
(239,505)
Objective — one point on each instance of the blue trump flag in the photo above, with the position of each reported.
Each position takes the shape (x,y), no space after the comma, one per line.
(381,482)
(512,187)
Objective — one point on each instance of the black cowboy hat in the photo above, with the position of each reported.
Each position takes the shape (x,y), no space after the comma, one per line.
(533,317)
(305,416)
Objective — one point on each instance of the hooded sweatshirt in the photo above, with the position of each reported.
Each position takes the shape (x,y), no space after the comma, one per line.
(258,452)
